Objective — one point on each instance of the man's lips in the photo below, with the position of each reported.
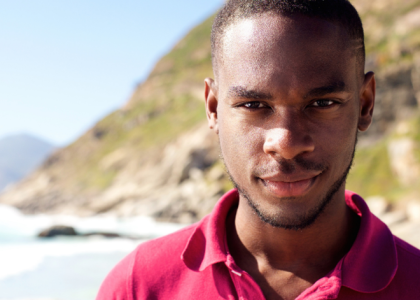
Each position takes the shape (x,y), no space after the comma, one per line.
(282,186)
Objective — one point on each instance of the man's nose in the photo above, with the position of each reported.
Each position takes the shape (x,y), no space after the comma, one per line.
(287,139)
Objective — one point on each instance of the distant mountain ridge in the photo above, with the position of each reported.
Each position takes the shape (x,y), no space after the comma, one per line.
(19,155)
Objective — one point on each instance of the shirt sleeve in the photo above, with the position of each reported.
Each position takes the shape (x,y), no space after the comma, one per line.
(118,283)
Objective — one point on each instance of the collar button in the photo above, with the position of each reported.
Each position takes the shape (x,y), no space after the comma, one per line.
(325,287)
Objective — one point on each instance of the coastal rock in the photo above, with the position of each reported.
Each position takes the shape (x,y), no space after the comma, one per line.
(394,217)
(395,82)
(58,230)
(63,230)
(403,160)
(415,77)
(377,205)
(413,211)
(409,22)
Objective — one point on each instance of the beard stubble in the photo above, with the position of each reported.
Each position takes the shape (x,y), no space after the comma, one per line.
(309,217)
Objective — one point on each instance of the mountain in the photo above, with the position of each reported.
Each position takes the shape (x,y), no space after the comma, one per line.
(155,156)
(19,155)
(145,158)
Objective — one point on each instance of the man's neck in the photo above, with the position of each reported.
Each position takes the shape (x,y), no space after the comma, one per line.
(294,256)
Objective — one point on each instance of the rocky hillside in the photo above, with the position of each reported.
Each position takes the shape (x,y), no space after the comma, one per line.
(387,162)
(155,156)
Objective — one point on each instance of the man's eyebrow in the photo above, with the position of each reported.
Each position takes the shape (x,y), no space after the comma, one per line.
(242,92)
(334,87)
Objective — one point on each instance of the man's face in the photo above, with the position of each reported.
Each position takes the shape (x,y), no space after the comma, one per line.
(287,106)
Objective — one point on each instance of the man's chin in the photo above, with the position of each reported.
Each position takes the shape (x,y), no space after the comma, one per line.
(291,216)
(294,218)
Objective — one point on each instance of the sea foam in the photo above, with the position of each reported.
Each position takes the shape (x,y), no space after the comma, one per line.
(21,251)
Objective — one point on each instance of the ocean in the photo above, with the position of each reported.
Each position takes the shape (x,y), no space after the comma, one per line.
(64,268)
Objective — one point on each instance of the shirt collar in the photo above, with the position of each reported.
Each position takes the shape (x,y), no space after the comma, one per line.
(368,267)
(206,245)
(372,262)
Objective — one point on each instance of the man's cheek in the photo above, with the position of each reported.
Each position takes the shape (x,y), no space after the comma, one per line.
(336,145)
(241,147)
(336,135)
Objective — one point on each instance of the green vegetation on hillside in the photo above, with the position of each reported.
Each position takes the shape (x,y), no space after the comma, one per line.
(390,37)
(372,173)
(151,119)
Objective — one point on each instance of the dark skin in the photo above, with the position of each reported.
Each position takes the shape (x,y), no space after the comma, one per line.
(288,90)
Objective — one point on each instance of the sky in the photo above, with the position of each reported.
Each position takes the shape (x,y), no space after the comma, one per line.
(66,64)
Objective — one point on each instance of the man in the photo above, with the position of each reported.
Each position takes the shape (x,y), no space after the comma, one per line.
(288,98)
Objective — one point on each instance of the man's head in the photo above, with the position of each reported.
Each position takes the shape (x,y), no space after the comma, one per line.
(288,98)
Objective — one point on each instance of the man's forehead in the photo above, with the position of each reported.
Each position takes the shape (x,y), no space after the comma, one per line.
(270,44)
(267,30)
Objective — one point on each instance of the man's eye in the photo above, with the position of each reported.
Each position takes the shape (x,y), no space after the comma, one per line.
(323,103)
(253,104)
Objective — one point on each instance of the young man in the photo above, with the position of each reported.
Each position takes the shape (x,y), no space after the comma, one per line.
(288,98)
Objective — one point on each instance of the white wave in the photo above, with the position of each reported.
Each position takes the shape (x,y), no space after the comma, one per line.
(27,253)
(13,222)
(16,259)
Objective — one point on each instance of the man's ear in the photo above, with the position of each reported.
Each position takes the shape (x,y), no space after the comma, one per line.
(367,101)
(210,94)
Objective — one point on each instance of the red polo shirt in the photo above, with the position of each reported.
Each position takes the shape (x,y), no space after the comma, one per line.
(194,263)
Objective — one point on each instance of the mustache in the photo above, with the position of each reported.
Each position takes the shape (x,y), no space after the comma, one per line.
(286,166)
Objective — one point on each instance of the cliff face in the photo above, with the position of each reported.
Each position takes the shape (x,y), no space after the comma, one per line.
(155,156)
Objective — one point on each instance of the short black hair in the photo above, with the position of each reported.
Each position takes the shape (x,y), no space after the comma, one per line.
(339,12)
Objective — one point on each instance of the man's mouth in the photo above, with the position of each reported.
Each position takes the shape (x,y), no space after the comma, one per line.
(289,187)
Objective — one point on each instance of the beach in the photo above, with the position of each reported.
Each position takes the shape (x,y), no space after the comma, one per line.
(64,268)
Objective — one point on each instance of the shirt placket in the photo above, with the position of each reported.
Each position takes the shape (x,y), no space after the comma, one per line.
(246,287)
